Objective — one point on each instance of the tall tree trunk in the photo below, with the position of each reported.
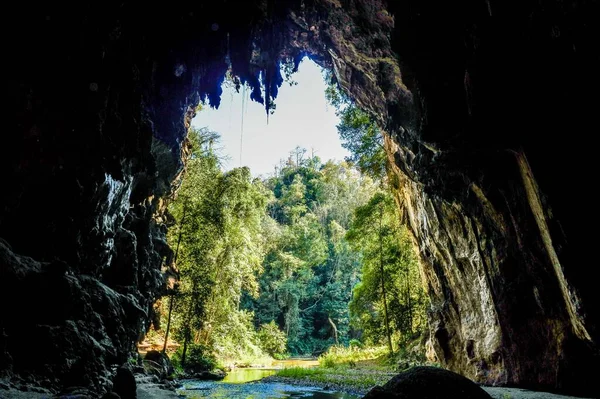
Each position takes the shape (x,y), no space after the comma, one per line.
(187,335)
(334,329)
(185,345)
(385,309)
(409,304)
(188,325)
(173,293)
(172,299)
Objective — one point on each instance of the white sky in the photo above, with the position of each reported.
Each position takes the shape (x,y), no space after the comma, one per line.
(302,117)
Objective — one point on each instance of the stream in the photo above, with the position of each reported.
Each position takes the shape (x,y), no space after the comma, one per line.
(244,383)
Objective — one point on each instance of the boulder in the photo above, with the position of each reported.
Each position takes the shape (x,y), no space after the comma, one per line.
(214,375)
(157,363)
(428,383)
(124,384)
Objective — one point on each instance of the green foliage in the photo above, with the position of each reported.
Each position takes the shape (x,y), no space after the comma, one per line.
(357,379)
(359,133)
(272,340)
(389,262)
(271,266)
(309,268)
(340,355)
(219,250)
(389,300)
(299,372)
(198,358)
(235,338)
(270,253)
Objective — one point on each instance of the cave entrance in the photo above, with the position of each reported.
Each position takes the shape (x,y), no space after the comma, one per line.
(286,235)
(479,137)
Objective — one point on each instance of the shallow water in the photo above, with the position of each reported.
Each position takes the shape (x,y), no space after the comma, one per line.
(240,376)
(245,384)
(256,390)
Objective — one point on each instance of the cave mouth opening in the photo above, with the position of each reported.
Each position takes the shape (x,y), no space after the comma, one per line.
(271,245)
(101,127)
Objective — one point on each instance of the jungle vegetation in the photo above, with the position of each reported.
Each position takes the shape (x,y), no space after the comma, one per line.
(313,256)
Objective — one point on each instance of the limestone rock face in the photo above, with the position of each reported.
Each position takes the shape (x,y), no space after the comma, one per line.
(487,108)
(487,180)
(69,328)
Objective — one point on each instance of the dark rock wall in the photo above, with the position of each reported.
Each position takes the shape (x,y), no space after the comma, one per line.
(495,183)
(489,108)
(99,97)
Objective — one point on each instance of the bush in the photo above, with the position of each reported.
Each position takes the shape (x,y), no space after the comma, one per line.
(339,355)
(198,358)
(272,340)
(281,356)
(411,354)
(235,338)
(299,372)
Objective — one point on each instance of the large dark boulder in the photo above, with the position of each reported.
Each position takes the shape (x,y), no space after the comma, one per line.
(124,384)
(428,383)
(157,363)
(214,375)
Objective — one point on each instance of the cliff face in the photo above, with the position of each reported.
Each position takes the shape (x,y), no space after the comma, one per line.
(486,108)
(492,180)
(100,97)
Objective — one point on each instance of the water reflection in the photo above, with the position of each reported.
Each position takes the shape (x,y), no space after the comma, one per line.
(256,390)
(245,384)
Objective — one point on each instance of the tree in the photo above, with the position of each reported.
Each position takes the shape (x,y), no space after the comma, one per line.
(272,340)
(360,135)
(199,225)
(389,301)
(271,266)
(309,269)
(219,243)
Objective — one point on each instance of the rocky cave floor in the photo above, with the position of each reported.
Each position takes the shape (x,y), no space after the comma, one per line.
(516,393)
(147,389)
